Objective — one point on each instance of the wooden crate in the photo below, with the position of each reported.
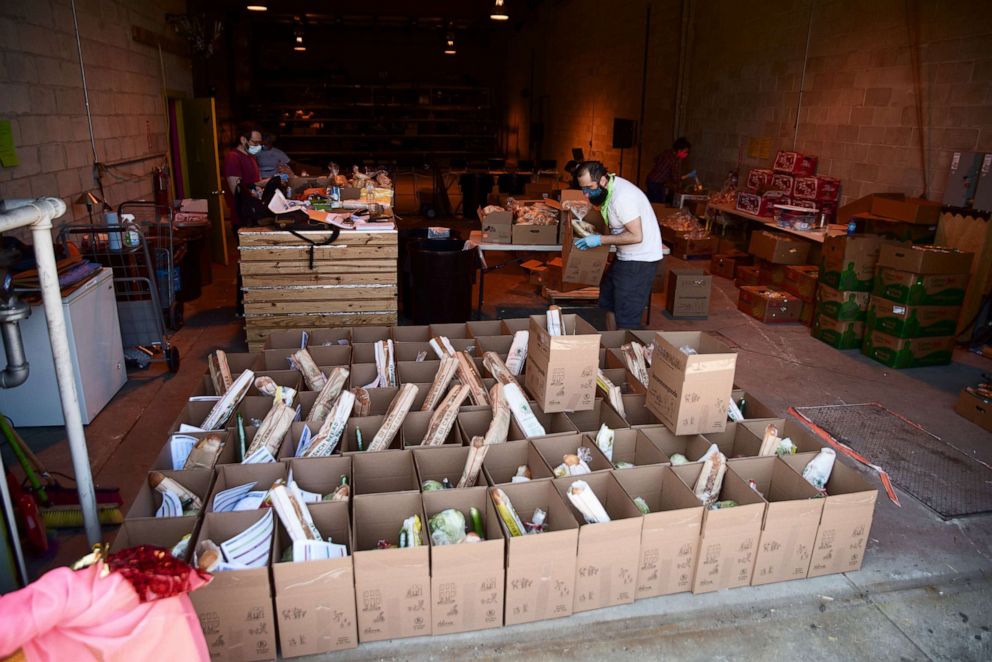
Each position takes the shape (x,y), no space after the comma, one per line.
(352,281)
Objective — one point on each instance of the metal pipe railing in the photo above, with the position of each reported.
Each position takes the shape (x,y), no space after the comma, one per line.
(37,215)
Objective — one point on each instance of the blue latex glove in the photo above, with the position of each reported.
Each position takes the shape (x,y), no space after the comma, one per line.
(592,241)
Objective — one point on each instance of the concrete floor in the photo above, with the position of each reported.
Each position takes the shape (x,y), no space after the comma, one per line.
(924,591)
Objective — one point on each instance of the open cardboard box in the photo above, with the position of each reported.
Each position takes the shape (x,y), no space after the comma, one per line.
(392,586)
(608,552)
(553,449)
(291,378)
(499,344)
(383,471)
(792,518)
(418,372)
(195,413)
(227,453)
(467,580)
(315,600)
(540,568)
(848,510)
(363,352)
(687,445)
(147,501)
(415,426)
(440,463)
(411,334)
(753,408)
(690,393)
(409,351)
(159,532)
(233,475)
(362,374)
(553,424)
(503,460)
(728,543)
(287,449)
(512,325)
(481,328)
(457,331)
(619,376)
(289,339)
(614,362)
(635,447)
(368,427)
(636,411)
(381,398)
(744,439)
(669,533)
(369,334)
(235,608)
(340,337)
(561,374)
(321,475)
(330,355)
(592,419)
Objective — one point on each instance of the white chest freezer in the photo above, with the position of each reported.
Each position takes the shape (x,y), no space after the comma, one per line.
(97,357)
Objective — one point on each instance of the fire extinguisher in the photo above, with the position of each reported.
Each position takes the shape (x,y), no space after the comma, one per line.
(160,186)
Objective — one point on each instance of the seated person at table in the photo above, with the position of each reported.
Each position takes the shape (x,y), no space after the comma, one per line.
(271,159)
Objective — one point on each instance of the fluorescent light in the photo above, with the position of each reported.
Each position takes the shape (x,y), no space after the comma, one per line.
(450,51)
(299,48)
(257,8)
(499,13)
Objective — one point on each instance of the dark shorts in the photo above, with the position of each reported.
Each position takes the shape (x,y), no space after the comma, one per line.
(626,290)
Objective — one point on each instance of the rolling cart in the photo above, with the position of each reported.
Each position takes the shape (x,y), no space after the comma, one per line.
(125,250)
(156,223)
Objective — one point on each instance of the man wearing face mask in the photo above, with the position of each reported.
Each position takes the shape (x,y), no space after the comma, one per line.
(241,173)
(626,287)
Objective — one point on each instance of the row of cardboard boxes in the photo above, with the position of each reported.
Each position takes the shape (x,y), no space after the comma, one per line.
(777,531)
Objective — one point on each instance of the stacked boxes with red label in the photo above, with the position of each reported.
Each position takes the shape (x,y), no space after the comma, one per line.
(792,180)
(847,271)
(915,303)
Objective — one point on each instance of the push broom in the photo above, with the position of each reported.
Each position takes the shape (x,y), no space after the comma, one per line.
(59,505)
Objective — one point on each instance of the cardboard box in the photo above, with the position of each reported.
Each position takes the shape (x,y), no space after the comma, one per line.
(291,338)
(553,450)
(406,352)
(416,425)
(477,329)
(235,609)
(760,204)
(690,394)
(819,188)
(392,586)
(592,420)
(782,182)
(530,235)
(918,290)
(635,447)
(502,460)
(360,334)
(728,544)
(842,335)
(746,276)
(608,552)
(582,268)
(778,248)
(759,180)
(320,474)
(801,165)
(381,398)
(903,321)
(750,406)
(384,471)
(686,248)
(334,336)
(807,313)
(841,305)
(227,452)
(975,408)
(636,412)
(801,280)
(907,352)
(688,293)
(744,439)
(845,524)
(792,518)
(315,600)
(233,475)
(411,333)
(330,355)
(440,463)
(769,305)
(925,259)
(540,569)
(556,424)
(848,262)
(156,531)
(561,370)
(669,533)
(451,331)
(908,210)
(725,264)
(512,325)
(771,274)
(687,445)
(291,378)
(467,581)
(497,226)
(147,501)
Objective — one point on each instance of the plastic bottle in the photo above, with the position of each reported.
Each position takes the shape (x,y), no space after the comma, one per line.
(852,227)
(114,236)
(131,235)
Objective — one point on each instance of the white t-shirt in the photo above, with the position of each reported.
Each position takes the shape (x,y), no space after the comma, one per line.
(626,203)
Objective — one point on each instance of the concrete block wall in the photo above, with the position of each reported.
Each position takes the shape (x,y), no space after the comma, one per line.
(858,112)
(42,96)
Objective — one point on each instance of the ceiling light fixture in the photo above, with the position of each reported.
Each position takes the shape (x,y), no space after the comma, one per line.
(499,12)
(257,8)
(449,47)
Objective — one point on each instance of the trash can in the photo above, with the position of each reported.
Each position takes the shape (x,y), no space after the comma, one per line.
(476,187)
(406,239)
(442,273)
(196,262)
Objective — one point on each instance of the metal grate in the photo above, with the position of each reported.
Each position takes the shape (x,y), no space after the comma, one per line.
(944,478)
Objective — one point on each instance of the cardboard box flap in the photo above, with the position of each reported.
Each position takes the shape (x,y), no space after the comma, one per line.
(389,471)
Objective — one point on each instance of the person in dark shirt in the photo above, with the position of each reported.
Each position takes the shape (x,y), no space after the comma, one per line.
(241,170)
(665,177)
(271,159)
